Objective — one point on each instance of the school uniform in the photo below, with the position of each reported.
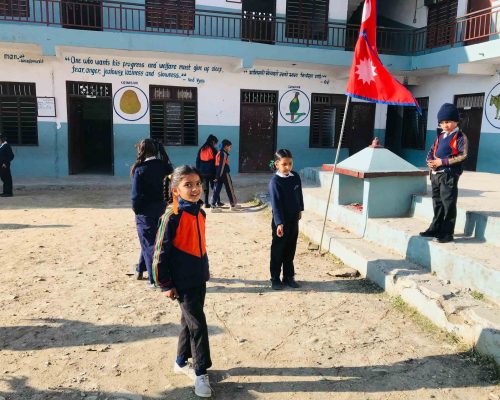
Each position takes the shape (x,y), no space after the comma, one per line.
(223,177)
(181,262)
(451,148)
(205,162)
(148,205)
(287,204)
(6,157)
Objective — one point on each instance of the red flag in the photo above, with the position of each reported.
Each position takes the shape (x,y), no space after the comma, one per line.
(369,80)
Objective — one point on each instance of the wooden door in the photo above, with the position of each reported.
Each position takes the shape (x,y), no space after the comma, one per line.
(359,126)
(75,139)
(470,107)
(478,25)
(258,18)
(257,130)
(441,22)
(82,14)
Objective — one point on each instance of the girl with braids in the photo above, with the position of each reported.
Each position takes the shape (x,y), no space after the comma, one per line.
(180,267)
(285,189)
(205,162)
(147,174)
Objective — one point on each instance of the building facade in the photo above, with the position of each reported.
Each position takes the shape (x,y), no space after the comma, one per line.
(82,81)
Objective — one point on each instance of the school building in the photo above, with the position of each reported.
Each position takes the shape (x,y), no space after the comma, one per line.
(82,81)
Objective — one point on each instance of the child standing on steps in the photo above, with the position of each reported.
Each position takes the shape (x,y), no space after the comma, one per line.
(180,267)
(285,189)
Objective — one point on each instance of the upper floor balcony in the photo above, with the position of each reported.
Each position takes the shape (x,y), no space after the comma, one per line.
(152,18)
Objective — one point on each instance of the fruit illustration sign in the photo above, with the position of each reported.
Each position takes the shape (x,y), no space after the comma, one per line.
(130,103)
(294,106)
(492,106)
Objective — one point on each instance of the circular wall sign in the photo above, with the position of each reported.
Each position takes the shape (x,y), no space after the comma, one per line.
(130,103)
(294,106)
(492,106)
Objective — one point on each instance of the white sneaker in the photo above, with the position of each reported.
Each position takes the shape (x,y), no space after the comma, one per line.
(236,206)
(202,386)
(186,370)
(216,210)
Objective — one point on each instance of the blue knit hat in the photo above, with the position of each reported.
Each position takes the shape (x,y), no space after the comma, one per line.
(448,112)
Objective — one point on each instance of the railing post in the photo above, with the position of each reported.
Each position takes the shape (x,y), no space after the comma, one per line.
(47,11)
(121,18)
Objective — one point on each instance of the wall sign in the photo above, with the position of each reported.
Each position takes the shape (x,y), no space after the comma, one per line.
(294,106)
(492,106)
(46,106)
(130,103)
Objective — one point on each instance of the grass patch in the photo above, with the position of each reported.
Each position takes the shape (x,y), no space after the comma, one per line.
(426,324)
(477,295)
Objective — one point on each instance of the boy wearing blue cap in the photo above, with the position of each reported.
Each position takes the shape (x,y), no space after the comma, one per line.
(445,161)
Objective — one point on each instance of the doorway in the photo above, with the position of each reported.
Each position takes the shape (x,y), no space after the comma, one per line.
(470,108)
(359,126)
(257,129)
(90,128)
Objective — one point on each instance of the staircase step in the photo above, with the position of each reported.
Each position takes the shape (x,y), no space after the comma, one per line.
(469,262)
(446,305)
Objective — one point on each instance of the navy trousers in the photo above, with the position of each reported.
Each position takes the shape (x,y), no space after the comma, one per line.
(283,250)
(146,230)
(224,180)
(6,178)
(208,183)
(193,339)
(444,200)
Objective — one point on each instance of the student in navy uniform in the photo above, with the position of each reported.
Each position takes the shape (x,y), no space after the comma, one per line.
(148,174)
(445,160)
(180,267)
(285,189)
(6,157)
(205,162)
(223,178)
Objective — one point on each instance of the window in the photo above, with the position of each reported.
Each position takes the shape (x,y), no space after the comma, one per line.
(170,14)
(327,112)
(14,8)
(415,125)
(307,19)
(173,115)
(18,113)
(441,20)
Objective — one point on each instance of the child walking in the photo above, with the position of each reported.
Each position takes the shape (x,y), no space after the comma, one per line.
(205,162)
(287,203)
(148,173)
(180,268)
(222,178)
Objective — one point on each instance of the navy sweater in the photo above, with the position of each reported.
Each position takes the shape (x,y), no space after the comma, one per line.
(286,198)
(147,188)
(6,154)
(452,150)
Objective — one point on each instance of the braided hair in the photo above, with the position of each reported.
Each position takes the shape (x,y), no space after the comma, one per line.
(145,148)
(281,153)
(173,180)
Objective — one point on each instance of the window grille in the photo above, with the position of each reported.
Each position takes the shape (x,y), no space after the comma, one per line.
(307,19)
(258,97)
(89,89)
(18,113)
(174,115)
(327,112)
(170,14)
(470,101)
(14,8)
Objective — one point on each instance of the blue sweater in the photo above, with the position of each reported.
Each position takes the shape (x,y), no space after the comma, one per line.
(147,188)
(286,198)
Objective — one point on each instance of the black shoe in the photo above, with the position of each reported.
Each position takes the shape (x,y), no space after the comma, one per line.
(428,233)
(444,239)
(6,195)
(276,284)
(138,275)
(291,283)
(207,205)
(220,204)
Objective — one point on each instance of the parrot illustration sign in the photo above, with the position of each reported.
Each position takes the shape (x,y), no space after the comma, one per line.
(492,106)
(130,103)
(294,106)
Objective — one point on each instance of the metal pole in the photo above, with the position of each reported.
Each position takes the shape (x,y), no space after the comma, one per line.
(334,169)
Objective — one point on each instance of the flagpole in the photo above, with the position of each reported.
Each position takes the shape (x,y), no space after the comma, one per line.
(334,169)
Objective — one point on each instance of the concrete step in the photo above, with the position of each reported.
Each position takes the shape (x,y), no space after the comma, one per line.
(482,225)
(468,263)
(449,307)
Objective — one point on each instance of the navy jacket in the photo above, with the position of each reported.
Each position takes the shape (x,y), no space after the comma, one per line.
(286,198)
(6,154)
(147,188)
(180,258)
(205,161)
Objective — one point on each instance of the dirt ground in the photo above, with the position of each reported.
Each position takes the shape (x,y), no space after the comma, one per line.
(74,325)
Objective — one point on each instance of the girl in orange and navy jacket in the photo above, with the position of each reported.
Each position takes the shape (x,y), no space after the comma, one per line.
(205,162)
(180,267)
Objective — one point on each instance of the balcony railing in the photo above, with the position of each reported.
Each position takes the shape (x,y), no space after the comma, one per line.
(252,27)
